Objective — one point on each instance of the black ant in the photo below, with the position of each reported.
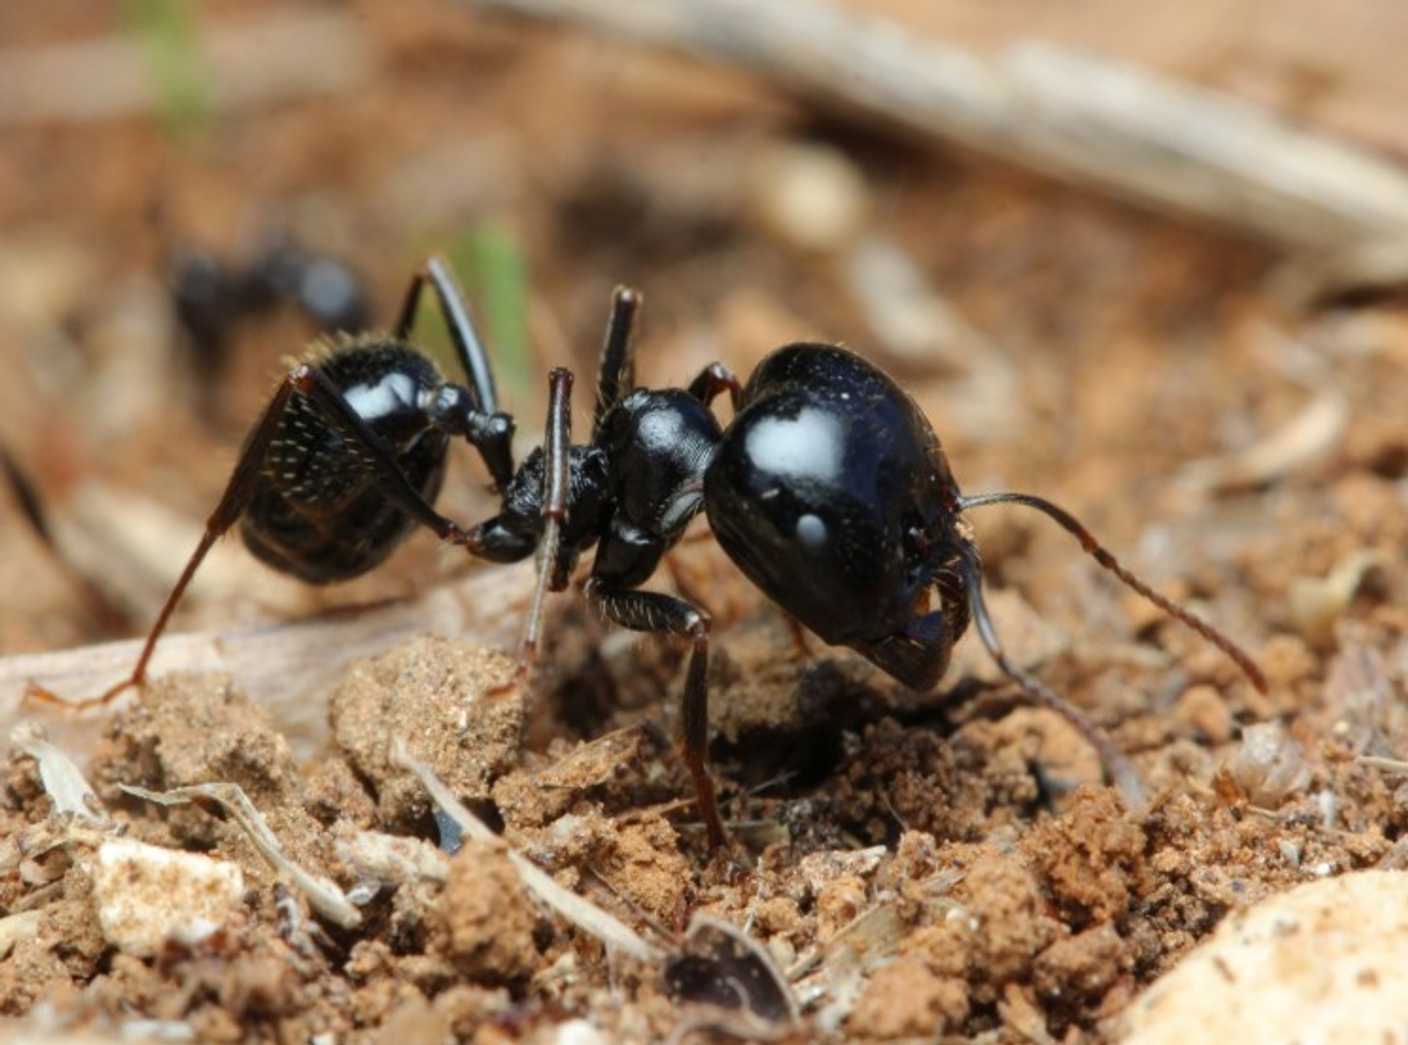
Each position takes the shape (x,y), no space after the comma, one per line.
(829,489)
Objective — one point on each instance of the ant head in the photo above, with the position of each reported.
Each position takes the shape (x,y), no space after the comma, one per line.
(918,653)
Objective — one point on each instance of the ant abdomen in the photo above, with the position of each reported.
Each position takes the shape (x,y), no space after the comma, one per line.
(317,510)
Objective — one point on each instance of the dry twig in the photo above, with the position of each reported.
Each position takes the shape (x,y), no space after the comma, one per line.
(1167,144)
(323,895)
(582,913)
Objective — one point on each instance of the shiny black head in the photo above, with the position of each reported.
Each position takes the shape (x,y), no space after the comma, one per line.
(831,492)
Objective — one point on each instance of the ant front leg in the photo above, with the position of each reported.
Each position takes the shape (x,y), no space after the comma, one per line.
(661,614)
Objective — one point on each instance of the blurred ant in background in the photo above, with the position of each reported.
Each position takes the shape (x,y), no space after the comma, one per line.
(212,298)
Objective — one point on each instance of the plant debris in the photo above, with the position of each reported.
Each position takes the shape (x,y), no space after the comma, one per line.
(325,896)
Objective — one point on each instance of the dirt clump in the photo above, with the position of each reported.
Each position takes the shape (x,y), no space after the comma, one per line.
(455,706)
(489,919)
(194,729)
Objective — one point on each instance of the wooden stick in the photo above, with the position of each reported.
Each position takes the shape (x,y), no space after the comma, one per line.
(1094,122)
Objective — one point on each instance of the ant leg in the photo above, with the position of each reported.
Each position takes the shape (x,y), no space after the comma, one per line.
(551,571)
(616,374)
(307,380)
(1120,772)
(1073,526)
(468,347)
(495,441)
(26,498)
(799,635)
(657,613)
(100,607)
(232,505)
(712,380)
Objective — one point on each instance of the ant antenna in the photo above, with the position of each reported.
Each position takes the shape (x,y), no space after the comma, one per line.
(1071,525)
(1120,772)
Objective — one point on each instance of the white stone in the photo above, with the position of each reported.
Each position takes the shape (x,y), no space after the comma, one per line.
(1322,964)
(147,896)
(813,196)
(578,1032)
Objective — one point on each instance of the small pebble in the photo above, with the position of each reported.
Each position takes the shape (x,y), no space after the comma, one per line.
(812,196)
(147,896)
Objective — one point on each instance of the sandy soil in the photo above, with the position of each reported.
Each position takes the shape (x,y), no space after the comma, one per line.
(943,866)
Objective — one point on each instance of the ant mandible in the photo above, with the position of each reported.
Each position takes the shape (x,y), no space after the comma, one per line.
(829,489)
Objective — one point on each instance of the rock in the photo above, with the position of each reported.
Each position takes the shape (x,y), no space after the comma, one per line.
(1325,962)
(812,196)
(489,916)
(197,728)
(147,896)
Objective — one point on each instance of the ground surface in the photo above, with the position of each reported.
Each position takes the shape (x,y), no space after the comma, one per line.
(1131,367)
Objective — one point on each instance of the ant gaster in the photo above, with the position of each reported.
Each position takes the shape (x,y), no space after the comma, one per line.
(829,489)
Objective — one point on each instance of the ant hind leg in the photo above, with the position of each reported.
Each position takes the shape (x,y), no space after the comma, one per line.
(494,438)
(307,380)
(227,512)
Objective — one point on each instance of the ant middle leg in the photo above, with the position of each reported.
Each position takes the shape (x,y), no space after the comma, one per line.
(660,614)
(552,563)
(712,380)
